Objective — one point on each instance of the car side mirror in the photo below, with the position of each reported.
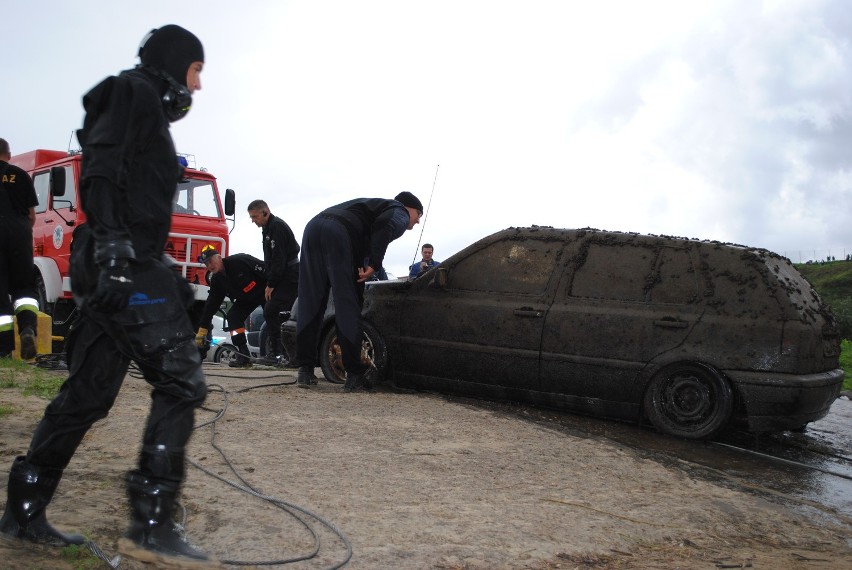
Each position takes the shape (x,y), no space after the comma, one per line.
(441,277)
(57,181)
(230,202)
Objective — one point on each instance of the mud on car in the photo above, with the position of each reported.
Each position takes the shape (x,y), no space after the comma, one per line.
(690,335)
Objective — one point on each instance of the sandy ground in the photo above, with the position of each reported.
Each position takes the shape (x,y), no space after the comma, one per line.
(413,480)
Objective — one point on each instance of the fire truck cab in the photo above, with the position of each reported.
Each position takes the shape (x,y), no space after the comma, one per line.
(199,218)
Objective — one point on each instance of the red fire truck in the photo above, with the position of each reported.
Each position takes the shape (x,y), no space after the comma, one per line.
(199,218)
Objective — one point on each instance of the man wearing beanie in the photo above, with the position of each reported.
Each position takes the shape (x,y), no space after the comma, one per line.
(343,246)
(132,307)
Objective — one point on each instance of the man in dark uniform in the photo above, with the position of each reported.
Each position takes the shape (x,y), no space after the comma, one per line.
(17,274)
(281,255)
(132,306)
(343,246)
(241,278)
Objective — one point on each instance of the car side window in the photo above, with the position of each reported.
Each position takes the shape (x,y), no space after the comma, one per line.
(510,266)
(638,273)
(614,271)
(675,281)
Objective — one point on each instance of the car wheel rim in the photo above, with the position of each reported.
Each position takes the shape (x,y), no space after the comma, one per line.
(687,400)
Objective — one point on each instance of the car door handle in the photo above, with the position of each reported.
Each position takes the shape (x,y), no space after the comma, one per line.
(528,312)
(671,323)
(50,221)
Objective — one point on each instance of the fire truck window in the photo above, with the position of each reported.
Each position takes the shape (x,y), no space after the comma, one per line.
(41,181)
(196,198)
(42,188)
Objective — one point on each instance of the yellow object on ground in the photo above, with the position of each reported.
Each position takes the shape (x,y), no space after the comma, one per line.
(44,336)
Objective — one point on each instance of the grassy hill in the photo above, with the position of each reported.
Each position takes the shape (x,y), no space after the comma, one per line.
(833,281)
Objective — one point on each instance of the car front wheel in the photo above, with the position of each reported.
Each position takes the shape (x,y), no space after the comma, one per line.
(373,354)
(689,400)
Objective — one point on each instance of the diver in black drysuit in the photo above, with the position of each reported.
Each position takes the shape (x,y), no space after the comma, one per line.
(132,307)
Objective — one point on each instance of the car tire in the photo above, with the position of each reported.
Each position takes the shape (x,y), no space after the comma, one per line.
(225,353)
(689,400)
(373,352)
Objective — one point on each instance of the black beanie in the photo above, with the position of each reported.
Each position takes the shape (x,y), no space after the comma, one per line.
(171,49)
(410,200)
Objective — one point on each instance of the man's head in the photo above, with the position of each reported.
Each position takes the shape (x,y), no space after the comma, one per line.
(413,205)
(175,51)
(427,250)
(211,259)
(5,151)
(258,211)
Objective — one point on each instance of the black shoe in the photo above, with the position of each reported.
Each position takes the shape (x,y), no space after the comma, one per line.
(357,383)
(306,378)
(28,344)
(240,361)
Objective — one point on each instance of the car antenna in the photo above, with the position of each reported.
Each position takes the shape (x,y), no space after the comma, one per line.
(428,206)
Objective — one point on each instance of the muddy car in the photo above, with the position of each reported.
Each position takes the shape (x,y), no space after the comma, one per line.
(690,335)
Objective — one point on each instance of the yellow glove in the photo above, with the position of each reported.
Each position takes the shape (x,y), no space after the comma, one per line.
(200,337)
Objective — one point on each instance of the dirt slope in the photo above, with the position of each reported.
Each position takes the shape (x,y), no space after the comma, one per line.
(416,481)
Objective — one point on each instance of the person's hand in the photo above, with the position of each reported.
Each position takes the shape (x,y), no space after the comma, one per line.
(267,293)
(423,266)
(115,284)
(364,273)
(201,337)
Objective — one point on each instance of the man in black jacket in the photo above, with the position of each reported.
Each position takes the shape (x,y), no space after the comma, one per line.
(241,278)
(281,256)
(17,276)
(132,307)
(343,246)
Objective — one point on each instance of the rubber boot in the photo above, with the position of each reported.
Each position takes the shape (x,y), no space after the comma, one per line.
(153,535)
(31,488)
(306,377)
(357,383)
(242,359)
(27,326)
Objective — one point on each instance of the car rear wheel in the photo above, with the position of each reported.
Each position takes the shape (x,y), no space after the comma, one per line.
(373,354)
(689,400)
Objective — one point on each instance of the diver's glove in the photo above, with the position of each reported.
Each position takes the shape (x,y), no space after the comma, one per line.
(115,282)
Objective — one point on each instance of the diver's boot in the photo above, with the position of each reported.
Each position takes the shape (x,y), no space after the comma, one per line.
(153,535)
(306,378)
(31,488)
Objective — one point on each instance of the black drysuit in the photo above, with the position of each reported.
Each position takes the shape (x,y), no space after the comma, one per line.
(17,276)
(128,180)
(281,255)
(336,243)
(243,280)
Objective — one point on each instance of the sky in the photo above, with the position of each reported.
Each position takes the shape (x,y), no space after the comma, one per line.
(720,120)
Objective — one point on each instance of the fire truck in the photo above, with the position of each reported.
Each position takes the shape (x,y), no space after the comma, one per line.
(199,218)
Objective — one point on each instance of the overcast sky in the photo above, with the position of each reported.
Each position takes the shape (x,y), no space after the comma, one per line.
(725,120)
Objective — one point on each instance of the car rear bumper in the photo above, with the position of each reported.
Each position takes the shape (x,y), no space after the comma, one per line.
(775,402)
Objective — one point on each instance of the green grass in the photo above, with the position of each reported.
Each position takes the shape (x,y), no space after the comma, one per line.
(81,558)
(846,363)
(31,380)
